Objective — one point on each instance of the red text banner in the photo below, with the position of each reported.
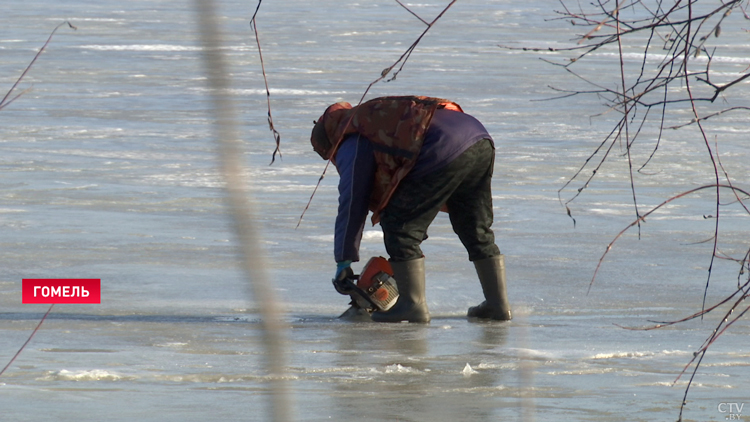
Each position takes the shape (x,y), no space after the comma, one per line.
(61,290)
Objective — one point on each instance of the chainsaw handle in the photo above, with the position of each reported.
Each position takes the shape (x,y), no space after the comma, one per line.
(343,282)
(346,286)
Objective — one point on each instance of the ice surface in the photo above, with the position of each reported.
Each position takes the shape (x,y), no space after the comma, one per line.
(109,171)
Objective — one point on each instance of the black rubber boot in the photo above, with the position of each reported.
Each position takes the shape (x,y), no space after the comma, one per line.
(491,272)
(411,305)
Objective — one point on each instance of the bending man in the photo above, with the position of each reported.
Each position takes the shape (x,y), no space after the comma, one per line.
(405,159)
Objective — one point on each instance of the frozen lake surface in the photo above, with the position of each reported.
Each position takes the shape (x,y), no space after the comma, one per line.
(109,171)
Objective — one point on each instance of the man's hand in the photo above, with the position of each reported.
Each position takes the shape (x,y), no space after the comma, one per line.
(342,266)
(343,272)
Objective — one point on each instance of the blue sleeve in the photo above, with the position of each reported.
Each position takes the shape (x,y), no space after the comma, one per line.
(355,162)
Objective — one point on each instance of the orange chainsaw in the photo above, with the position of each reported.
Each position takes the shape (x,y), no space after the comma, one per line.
(373,290)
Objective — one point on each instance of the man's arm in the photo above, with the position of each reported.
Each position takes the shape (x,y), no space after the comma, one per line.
(356,166)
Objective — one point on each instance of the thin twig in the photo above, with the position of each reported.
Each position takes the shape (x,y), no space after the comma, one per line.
(410,11)
(5,100)
(276,134)
(710,155)
(385,72)
(27,340)
(643,216)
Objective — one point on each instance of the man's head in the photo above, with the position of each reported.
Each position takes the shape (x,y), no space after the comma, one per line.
(325,125)
(319,139)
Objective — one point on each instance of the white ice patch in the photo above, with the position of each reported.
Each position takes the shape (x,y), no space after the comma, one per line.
(322,238)
(468,371)
(622,355)
(524,353)
(142,47)
(171,344)
(368,235)
(398,369)
(83,375)
(287,91)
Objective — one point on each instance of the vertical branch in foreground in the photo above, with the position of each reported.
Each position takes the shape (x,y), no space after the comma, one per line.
(694,110)
(626,112)
(686,57)
(240,206)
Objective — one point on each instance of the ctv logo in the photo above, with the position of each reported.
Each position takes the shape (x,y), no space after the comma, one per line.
(61,290)
(733,411)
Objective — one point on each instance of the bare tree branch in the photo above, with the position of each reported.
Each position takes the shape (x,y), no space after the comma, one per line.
(276,134)
(383,74)
(5,101)
(678,82)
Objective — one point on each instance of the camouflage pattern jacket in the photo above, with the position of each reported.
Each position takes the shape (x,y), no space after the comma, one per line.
(396,128)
